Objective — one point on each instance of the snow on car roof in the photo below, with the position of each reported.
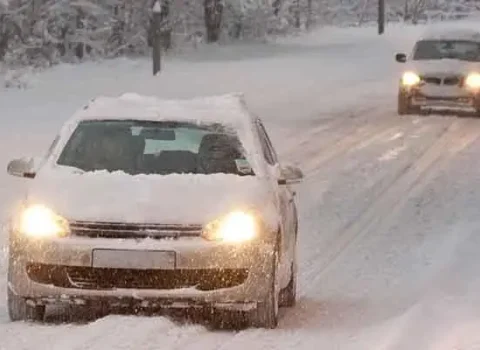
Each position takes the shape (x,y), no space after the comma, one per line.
(452,34)
(226,109)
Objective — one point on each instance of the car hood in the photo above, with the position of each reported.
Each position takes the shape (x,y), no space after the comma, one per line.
(446,66)
(171,199)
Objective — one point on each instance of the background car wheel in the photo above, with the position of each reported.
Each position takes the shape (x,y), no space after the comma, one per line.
(266,313)
(404,106)
(19,310)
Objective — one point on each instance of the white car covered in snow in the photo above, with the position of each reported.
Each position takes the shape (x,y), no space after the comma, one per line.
(443,71)
(156,203)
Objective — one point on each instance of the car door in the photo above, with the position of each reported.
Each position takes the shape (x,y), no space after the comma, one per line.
(285,199)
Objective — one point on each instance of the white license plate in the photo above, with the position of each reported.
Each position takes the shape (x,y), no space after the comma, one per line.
(133,259)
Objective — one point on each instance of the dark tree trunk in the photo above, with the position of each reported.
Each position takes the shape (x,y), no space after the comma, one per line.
(276,7)
(405,11)
(308,23)
(62,47)
(213,11)
(4,38)
(80,48)
(118,28)
(297,14)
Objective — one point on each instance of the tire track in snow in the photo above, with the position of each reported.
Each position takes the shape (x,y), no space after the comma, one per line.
(359,160)
(375,129)
(456,137)
(323,131)
(361,165)
(360,139)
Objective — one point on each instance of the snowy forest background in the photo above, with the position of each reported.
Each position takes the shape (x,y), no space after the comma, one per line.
(44,32)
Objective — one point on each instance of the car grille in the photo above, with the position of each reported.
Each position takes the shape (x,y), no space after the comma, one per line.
(135,231)
(451,81)
(105,278)
(448,81)
(432,80)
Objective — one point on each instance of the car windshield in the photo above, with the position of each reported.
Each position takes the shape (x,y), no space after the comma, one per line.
(447,49)
(145,147)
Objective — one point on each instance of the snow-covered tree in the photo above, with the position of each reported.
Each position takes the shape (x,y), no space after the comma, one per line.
(49,31)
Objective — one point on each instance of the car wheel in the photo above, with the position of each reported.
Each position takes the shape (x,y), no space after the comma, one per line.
(20,310)
(288,295)
(266,313)
(404,106)
(228,319)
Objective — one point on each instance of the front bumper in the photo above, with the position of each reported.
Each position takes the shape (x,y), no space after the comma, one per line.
(455,102)
(442,97)
(201,273)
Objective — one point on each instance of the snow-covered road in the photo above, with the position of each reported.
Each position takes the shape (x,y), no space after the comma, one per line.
(390,231)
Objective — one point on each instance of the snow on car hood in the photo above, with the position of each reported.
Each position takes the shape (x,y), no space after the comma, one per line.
(445,66)
(170,199)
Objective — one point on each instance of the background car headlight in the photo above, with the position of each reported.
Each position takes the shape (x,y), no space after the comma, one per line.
(236,227)
(39,221)
(473,81)
(410,79)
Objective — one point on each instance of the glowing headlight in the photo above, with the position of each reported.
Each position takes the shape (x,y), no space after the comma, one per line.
(473,81)
(410,79)
(236,227)
(39,221)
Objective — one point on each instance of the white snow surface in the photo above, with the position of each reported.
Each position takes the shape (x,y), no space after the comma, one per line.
(228,108)
(389,228)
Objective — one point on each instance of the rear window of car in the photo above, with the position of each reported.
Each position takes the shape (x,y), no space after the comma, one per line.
(162,148)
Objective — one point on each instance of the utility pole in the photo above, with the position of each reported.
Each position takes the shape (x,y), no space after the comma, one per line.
(157,45)
(381,17)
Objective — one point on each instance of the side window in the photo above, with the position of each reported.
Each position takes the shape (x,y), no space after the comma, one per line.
(268,151)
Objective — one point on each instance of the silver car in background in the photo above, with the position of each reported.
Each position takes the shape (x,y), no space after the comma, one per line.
(149,203)
(442,72)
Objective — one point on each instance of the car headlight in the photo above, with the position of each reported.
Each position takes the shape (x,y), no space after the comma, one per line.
(473,81)
(38,221)
(410,79)
(235,227)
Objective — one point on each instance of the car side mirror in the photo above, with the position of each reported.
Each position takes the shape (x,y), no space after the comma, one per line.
(401,58)
(290,175)
(23,167)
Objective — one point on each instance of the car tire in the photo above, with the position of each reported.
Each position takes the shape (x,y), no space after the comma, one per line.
(288,295)
(20,310)
(228,320)
(266,313)
(404,106)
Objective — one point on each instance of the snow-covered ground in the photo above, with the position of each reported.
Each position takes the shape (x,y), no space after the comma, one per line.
(389,219)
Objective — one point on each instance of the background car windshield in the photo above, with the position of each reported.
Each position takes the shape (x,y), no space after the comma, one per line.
(143,147)
(447,49)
